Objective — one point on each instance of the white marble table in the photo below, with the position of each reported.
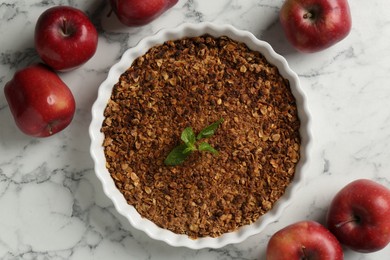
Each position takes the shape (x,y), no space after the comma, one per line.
(51,203)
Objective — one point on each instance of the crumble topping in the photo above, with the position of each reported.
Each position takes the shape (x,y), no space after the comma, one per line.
(194,82)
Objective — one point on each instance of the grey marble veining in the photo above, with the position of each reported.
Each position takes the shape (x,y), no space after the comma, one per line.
(51,203)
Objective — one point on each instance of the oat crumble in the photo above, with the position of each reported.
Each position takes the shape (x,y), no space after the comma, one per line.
(194,82)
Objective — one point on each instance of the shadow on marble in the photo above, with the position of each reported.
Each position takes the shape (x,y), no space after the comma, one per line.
(274,35)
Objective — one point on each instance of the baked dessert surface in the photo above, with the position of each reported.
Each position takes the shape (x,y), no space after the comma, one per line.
(195,82)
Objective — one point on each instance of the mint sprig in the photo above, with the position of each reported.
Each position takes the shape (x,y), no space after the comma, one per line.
(180,153)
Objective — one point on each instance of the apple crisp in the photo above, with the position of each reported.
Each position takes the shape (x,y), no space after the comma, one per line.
(193,82)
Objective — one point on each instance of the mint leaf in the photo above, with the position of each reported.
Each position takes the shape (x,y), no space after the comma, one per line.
(188,136)
(180,153)
(177,155)
(209,130)
(207,147)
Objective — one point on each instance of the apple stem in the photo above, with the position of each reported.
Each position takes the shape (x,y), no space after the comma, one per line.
(303,248)
(66,28)
(353,219)
(109,13)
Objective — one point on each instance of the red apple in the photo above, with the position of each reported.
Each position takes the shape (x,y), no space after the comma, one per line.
(65,38)
(39,100)
(359,216)
(307,240)
(140,12)
(314,25)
